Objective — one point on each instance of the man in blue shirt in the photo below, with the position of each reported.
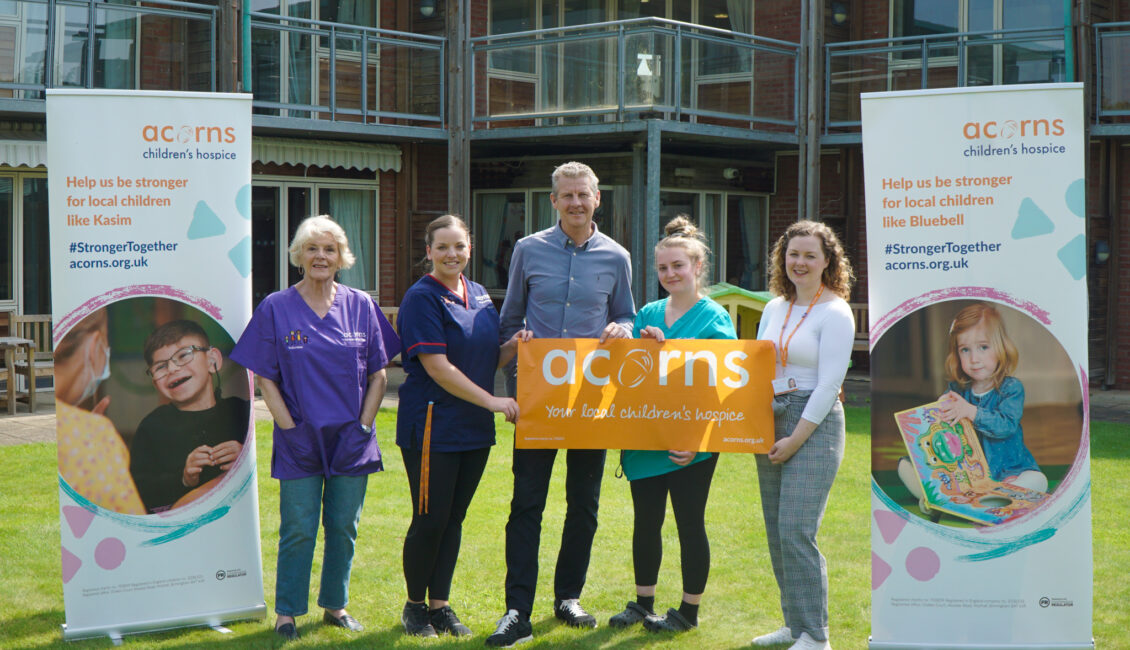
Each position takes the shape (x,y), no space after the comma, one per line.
(570,281)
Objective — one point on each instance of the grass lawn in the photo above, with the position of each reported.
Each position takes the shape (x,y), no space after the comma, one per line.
(740,602)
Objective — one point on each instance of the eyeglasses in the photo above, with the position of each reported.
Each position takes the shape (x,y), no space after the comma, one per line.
(180,359)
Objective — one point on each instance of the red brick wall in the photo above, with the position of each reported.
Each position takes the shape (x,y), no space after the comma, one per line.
(1122,274)
(386,265)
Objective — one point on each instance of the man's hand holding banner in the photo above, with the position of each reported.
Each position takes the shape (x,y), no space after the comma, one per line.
(688,394)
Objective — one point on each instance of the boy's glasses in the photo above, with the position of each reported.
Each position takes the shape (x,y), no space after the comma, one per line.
(181,358)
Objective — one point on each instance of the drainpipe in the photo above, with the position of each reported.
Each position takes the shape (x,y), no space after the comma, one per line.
(803,55)
(245,64)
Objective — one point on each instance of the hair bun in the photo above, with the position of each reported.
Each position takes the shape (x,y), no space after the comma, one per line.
(681,226)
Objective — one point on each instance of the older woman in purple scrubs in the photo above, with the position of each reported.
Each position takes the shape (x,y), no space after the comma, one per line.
(318,350)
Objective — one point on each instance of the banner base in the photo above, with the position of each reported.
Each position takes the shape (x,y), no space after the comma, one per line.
(204,619)
(891,645)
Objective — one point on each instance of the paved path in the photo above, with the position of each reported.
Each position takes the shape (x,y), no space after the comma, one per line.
(1106,406)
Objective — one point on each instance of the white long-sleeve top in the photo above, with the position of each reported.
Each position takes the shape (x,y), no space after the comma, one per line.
(819,352)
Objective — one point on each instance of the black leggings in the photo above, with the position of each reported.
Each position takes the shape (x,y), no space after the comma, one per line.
(431,546)
(689,486)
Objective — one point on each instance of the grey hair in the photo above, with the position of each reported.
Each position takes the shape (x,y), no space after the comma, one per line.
(575,170)
(312,227)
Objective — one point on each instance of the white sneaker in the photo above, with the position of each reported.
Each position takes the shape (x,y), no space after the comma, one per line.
(780,637)
(806,642)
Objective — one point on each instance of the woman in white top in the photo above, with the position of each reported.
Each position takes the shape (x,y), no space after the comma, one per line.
(811,325)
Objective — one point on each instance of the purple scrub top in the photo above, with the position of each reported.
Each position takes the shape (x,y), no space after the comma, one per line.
(321,366)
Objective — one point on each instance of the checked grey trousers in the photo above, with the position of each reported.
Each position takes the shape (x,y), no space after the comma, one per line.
(793,497)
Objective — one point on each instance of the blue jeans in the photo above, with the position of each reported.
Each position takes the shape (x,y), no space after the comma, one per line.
(338,500)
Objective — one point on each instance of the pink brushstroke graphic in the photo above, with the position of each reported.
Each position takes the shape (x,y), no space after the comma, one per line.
(923,564)
(64,324)
(880,571)
(890,525)
(78,519)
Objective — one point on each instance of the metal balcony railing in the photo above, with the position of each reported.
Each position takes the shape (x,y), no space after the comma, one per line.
(604,72)
(1007,56)
(312,69)
(1112,71)
(158,45)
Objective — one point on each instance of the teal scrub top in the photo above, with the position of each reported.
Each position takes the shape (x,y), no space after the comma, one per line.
(706,320)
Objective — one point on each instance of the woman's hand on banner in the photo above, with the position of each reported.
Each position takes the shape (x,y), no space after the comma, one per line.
(652,332)
(505,406)
(681,458)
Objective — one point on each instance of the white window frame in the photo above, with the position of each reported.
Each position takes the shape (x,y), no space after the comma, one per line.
(282,223)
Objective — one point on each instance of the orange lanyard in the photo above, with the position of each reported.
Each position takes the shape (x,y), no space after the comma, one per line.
(782,343)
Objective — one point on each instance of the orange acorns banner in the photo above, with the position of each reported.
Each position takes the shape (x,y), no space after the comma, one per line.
(688,394)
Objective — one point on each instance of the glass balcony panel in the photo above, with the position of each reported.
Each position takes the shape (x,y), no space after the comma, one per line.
(851,75)
(266,68)
(23,45)
(578,76)
(347,77)
(1115,74)
(115,48)
(167,42)
(70,59)
(1034,62)
(774,86)
(648,70)
(299,65)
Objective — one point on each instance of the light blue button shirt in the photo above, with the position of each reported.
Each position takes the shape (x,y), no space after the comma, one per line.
(561,290)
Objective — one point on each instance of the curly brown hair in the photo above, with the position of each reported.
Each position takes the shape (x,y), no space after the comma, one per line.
(838,276)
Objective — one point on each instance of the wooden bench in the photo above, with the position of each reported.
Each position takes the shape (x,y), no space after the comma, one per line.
(36,327)
(862,327)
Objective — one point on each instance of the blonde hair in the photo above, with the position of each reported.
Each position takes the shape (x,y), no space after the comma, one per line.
(680,232)
(837,276)
(312,227)
(575,170)
(972,316)
(93,324)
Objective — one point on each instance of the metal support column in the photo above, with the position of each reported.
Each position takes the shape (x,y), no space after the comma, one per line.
(638,207)
(813,111)
(651,216)
(459,66)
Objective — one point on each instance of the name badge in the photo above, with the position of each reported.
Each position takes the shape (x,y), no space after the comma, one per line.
(783,385)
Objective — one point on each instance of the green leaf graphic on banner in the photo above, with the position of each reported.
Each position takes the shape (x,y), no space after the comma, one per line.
(1075,197)
(1074,257)
(1031,221)
(240,256)
(243,201)
(205,223)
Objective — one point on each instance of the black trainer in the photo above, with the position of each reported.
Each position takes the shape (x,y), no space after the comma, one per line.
(444,621)
(570,611)
(513,628)
(416,620)
(632,614)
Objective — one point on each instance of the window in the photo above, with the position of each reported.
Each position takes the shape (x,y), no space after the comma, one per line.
(25,260)
(990,59)
(291,65)
(278,206)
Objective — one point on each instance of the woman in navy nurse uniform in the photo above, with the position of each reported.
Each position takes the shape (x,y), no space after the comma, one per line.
(445,422)
(318,350)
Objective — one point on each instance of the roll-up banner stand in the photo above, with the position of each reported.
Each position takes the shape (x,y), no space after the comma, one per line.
(977,260)
(150,221)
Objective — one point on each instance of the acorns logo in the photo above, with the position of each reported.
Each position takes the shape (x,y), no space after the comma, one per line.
(634,370)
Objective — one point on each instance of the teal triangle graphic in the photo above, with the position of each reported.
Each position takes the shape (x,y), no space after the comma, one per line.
(1074,257)
(1076,198)
(240,256)
(205,223)
(1031,221)
(243,201)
